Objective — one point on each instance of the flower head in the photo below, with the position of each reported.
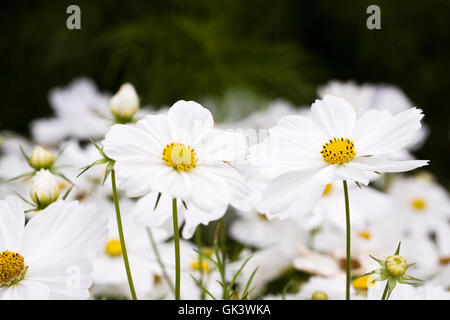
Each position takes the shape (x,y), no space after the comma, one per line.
(179,155)
(305,153)
(39,260)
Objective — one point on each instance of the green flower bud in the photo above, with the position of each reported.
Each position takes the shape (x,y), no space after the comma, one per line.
(319,295)
(396,265)
(41,158)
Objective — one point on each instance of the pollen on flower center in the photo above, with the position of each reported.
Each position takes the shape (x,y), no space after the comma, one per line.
(179,156)
(12,268)
(113,248)
(338,151)
(418,204)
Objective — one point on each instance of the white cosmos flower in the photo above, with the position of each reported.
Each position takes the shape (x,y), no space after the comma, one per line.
(179,155)
(331,144)
(80,112)
(49,257)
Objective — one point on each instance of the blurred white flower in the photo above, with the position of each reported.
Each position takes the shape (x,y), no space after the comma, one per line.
(50,257)
(307,153)
(81,112)
(125,103)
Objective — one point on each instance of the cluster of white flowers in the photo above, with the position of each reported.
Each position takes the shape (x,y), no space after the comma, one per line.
(269,197)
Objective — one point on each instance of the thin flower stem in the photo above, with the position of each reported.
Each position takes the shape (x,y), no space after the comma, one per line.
(159,260)
(176,239)
(121,236)
(349,257)
(198,240)
(385,291)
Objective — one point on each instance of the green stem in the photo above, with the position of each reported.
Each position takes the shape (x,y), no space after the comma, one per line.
(385,291)
(176,239)
(159,260)
(349,257)
(121,236)
(198,240)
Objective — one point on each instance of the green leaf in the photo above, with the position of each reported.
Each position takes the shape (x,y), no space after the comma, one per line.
(67,193)
(380,262)
(157,201)
(25,175)
(25,155)
(398,248)
(108,170)
(391,285)
(202,287)
(246,291)
(357,183)
(233,281)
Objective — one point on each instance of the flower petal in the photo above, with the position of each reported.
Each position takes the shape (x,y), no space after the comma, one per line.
(380,164)
(335,116)
(12,221)
(189,122)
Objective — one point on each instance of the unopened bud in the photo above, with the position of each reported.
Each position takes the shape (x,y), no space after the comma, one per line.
(396,265)
(319,295)
(125,103)
(41,158)
(44,189)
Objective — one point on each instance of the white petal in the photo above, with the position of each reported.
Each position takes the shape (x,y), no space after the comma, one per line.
(381,133)
(189,122)
(348,171)
(145,213)
(63,229)
(12,221)
(25,290)
(194,216)
(335,116)
(209,191)
(124,141)
(380,164)
(174,183)
(222,145)
(295,193)
(136,174)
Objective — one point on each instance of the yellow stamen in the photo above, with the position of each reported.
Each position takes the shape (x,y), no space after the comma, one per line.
(363,283)
(179,156)
(113,248)
(319,295)
(327,189)
(365,234)
(12,268)
(418,204)
(196,265)
(338,151)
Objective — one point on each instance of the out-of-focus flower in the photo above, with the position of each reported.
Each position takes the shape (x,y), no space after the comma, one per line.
(44,189)
(41,158)
(307,153)
(81,112)
(125,103)
(50,257)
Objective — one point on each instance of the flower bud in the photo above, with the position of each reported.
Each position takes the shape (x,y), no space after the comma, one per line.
(396,265)
(125,103)
(41,158)
(319,295)
(44,189)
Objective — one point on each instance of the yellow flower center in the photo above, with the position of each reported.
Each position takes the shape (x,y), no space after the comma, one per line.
(113,248)
(319,295)
(365,234)
(327,189)
(338,151)
(179,156)
(363,283)
(12,268)
(197,265)
(418,204)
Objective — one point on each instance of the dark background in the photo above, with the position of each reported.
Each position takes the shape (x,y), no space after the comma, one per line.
(178,49)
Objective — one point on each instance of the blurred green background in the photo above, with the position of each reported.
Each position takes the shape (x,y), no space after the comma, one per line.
(177,49)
